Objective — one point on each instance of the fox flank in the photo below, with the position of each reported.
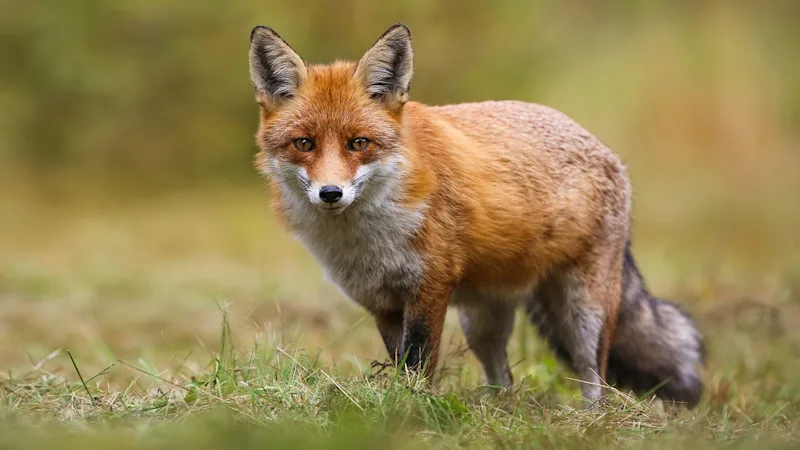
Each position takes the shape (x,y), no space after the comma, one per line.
(484,206)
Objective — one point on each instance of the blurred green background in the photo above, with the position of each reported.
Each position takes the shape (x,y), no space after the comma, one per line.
(130,211)
(160,89)
(129,206)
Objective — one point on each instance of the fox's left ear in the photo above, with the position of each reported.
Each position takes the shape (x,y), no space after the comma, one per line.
(386,69)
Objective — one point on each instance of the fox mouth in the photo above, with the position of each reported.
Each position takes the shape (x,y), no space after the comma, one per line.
(333,209)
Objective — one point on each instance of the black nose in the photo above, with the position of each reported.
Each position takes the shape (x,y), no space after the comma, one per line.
(330,194)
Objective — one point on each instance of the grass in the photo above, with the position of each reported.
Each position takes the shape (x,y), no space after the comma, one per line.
(279,395)
(111,308)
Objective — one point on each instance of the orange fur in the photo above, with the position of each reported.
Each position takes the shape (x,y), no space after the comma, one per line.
(511,197)
(506,204)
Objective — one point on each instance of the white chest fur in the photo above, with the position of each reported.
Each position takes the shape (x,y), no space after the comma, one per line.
(366,252)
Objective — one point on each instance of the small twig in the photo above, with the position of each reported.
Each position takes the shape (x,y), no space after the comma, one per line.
(80,376)
(381,366)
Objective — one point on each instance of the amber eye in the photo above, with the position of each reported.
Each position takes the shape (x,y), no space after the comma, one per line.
(303,144)
(359,144)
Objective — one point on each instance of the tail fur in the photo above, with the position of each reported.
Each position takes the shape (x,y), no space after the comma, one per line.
(656,347)
(655,344)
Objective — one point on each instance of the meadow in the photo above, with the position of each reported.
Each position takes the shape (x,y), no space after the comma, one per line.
(149,299)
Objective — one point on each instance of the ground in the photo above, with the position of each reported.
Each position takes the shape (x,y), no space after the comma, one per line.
(185,315)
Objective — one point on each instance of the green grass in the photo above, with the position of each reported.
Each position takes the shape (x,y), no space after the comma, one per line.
(279,396)
(111,321)
(271,393)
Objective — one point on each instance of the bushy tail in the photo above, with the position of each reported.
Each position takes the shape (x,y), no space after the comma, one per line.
(656,345)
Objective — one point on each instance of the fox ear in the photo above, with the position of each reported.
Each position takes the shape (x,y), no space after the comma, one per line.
(386,69)
(275,68)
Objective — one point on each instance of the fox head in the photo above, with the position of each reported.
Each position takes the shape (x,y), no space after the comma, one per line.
(330,134)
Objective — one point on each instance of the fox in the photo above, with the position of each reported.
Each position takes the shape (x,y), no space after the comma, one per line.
(489,207)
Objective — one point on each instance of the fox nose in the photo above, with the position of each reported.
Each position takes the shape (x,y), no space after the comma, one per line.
(330,194)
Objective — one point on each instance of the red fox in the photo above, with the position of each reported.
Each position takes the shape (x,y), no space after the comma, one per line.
(411,208)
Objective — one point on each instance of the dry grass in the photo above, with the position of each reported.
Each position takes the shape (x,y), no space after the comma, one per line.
(135,290)
(276,392)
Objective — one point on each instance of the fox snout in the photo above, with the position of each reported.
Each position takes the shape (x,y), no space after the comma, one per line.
(331,197)
(330,194)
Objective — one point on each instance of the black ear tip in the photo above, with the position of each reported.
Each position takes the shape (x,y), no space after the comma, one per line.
(261,30)
(400,27)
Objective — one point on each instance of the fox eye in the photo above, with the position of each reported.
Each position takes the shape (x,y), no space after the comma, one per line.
(303,144)
(359,144)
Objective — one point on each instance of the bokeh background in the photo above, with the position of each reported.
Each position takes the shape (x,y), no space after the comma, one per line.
(130,213)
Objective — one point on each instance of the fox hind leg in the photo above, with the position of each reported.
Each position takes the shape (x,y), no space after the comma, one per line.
(582,327)
(575,310)
(487,325)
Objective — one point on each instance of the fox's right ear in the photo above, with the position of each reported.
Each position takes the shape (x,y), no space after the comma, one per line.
(275,68)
